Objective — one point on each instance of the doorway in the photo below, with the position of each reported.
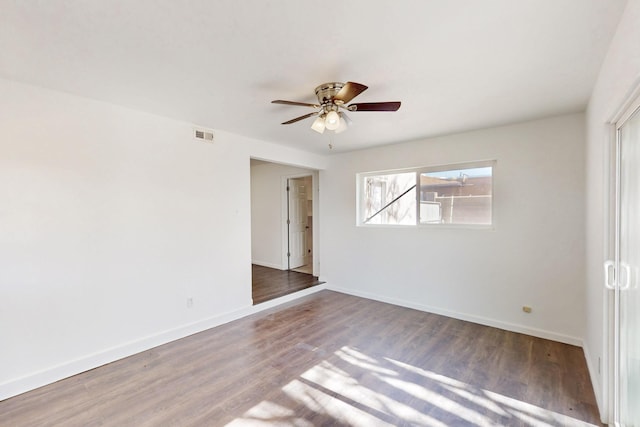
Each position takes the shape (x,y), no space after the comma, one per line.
(284,218)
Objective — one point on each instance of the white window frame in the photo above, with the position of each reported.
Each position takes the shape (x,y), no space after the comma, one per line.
(361,202)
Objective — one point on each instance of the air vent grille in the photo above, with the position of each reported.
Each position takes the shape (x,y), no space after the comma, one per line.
(204,135)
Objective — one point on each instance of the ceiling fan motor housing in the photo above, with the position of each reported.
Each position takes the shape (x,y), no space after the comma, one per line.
(327,91)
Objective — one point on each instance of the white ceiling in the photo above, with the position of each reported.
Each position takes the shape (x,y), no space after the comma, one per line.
(455,65)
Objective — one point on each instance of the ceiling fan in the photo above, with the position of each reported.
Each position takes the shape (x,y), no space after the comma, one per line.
(331,106)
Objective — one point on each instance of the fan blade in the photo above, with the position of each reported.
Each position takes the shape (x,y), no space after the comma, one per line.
(301,104)
(374,106)
(349,91)
(297,119)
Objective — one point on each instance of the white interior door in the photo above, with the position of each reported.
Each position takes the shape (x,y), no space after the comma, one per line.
(628,268)
(297,221)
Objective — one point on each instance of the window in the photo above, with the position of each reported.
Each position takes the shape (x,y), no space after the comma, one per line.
(452,195)
(390,199)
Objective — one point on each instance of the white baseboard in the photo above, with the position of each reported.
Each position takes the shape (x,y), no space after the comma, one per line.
(50,375)
(47,376)
(596,382)
(540,333)
(91,361)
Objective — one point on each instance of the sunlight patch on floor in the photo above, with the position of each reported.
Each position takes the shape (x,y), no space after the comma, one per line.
(429,396)
(362,361)
(329,377)
(495,402)
(340,410)
(269,414)
(354,388)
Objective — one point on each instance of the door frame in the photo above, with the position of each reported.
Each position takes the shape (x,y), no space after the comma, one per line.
(285,214)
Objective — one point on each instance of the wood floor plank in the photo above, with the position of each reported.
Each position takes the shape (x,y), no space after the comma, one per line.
(270,283)
(327,359)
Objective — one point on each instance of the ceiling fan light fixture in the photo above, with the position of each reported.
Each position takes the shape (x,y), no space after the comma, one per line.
(318,125)
(332,121)
(342,126)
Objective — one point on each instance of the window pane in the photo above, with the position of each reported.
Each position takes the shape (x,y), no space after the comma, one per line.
(456,196)
(390,199)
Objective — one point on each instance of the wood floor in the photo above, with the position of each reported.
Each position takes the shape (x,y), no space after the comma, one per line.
(327,359)
(270,283)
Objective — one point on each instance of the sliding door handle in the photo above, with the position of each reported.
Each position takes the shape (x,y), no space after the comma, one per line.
(626,280)
(609,279)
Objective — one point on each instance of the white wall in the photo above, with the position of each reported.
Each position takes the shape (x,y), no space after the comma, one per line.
(533,257)
(109,220)
(267,204)
(619,75)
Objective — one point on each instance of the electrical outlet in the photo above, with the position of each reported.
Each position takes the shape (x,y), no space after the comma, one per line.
(526,309)
(189,302)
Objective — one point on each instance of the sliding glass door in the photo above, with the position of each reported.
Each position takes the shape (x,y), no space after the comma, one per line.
(627,267)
